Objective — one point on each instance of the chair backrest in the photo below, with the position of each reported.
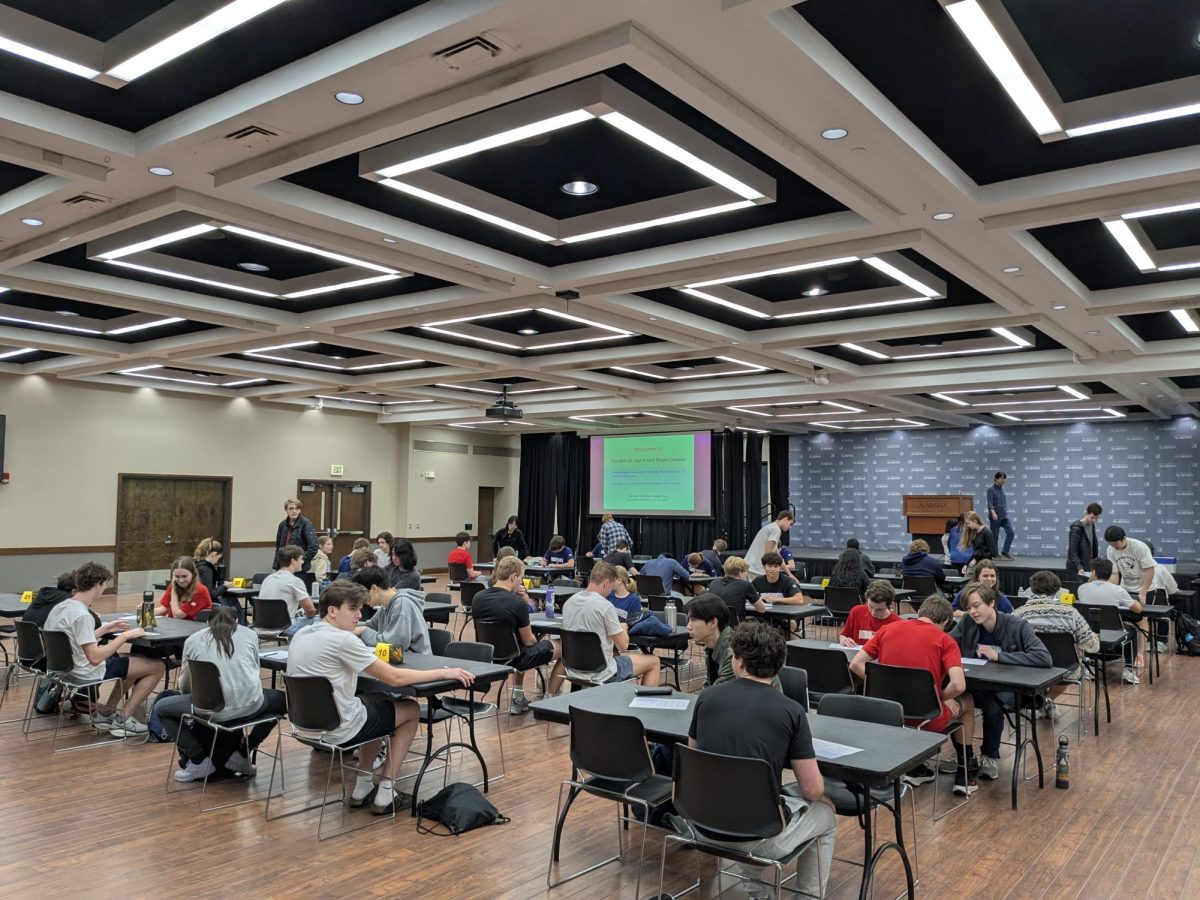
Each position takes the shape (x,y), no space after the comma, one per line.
(565,581)
(438,639)
(583,565)
(649,585)
(842,599)
(29,642)
(795,684)
(204,615)
(457,570)
(655,602)
(863,709)
(1061,644)
(467,591)
(581,651)
(205,679)
(731,798)
(259,578)
(502,638)
(310,702)
(476,651)
(912,688)
(271,614)
(1100,616)
(610,746)
(800,573)
(827,670)
(438,598)
(924,585)
(58,651)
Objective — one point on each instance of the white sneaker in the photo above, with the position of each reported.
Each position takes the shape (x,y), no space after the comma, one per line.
(129,727)
(194,771)
(380,758)
(239,765)
(1162,647)
(1130,677)
(100,721)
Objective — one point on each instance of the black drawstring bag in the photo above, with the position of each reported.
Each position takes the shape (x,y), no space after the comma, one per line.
(457,807)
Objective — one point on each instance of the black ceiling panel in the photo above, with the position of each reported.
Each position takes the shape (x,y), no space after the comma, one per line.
(25,359)
(1158,326)
(79,307)
(857,276)
(225,250)
(914,54)
(13,176)
(470,345)
(930,343)
(100,20)
(795,198)
(282,35)
(1094,257)
(1168,232)
(1186,382)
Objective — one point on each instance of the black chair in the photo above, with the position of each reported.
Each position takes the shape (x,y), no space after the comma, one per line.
(271,619)
(839,601)
(923,585)
(1100,618)
(30,660)
(795,684)
(259,578)
(1065,655)
(474,710)
(915,691)
(564,581)
(311,706)
(651,585)
(656,602)
(827,670)
(724,800)
(856,800)
(59,665)
(610,759)
(204,615)
(441,617)
(505,648)
(457,572)
(466,595)
(582,651)
(439,638)
(208,700)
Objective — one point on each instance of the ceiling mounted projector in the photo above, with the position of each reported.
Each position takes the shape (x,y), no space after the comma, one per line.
(504,408)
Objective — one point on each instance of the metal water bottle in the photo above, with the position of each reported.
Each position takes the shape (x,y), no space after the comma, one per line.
(669,612)
(549,601)
(1062,765)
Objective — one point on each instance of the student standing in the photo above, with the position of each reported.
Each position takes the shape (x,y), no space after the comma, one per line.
(1082,544)
(510,536)
(768,540)
(997,502)
(612,533)
(295,531)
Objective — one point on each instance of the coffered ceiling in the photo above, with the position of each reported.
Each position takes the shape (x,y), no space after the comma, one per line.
(782,217)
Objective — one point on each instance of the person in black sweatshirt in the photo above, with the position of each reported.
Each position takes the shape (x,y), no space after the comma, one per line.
(918,562)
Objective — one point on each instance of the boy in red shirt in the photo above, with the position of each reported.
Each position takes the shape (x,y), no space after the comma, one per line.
(462,554)
(922,643)
(866,619)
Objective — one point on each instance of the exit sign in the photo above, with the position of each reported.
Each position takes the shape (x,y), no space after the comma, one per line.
(335,470)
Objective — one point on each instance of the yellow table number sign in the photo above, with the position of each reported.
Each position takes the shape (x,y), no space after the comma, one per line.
(27,596)
(824,582)
(383,651)
(241,582)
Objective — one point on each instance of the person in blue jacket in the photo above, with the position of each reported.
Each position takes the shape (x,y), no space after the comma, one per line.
(669,570)
(918,562)
(955,554)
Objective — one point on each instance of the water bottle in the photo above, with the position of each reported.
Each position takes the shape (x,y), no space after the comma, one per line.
(1062,765)
(325,582)
(316,592)
(549,601)
(669,612)
(146,613)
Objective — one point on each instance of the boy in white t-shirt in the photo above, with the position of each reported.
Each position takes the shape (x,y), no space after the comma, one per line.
(285,584)
(330,649)
(138,674)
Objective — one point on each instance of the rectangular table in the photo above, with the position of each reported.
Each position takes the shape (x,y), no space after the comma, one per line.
(486,674)
(885,752)
(168,635)
(11,606)
(813,588)
(786,613)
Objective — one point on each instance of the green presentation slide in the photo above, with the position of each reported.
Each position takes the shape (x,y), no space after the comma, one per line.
(650,473)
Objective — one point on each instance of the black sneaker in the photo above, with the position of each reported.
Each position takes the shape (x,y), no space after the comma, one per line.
(967,787)
(950,766)
(400,801)
(922,774)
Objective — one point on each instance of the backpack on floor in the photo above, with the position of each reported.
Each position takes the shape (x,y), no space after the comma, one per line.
(156,734)
(457,807)
(1187,634)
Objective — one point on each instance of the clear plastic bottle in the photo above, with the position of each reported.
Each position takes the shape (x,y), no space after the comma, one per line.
(549,601)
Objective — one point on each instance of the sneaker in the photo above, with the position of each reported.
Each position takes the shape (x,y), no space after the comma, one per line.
(518,707)
(129,727)
(966,788)
(363,792)
(380,758)
(989,767)
(100,721)
(950,765)
(196,771)
(239,765)
(922,774)
(400,801)
(1130,677)
(1162,647)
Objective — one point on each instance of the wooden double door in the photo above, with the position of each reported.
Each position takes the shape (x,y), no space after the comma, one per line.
(163,517)
(341,509)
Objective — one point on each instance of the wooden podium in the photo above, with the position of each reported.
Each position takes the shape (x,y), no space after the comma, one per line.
(927,513)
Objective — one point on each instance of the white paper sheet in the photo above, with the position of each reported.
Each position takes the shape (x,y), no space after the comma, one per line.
(658,703)
(972,661)
(831,750)
(274,654)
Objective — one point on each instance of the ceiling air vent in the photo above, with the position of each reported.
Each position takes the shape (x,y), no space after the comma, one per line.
(252,136)
(86,199)
(470,53)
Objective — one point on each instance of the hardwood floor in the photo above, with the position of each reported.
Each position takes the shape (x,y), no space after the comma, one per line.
(98,819)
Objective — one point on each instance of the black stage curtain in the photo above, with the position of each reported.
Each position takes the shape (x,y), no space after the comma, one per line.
(572,488)
(779,485)
(538,488)
(752,478)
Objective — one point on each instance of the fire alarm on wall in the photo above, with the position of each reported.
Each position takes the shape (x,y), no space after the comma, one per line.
(3,478)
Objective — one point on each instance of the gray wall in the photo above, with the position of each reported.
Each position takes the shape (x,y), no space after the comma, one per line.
(1146,475)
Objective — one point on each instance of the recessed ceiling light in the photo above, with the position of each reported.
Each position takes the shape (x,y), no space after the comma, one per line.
(685,368)
(1009,270)
(1059,306)
(391,241)
(815,292)
(337,357)
(33,223)
(528,331)
(545,287)
(69,313)
(1143,384)
(1093,333)
(942,216)
(200,374)
(161,171)
(651,319)
(254,267)
(350,98)
(931,343)
(834,134)
(579,188)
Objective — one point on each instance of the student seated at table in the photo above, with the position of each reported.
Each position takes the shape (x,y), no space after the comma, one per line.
(399,619)
(234,651)
(624,596)
(867,564)
(344,563)
(362,558)
(775,585)
(558,555)
(138,674)
(185,596)
(698,565)
(285,584)
(954,554)
(506,602)
(745,717)
(49,597)
(922,643)
(589,610)
(1100,590)
(667,568)
(708,626)
(383,549)
(207,556)
(330,649)
(1045,613)
(918,562)
(865,619)
(402,571)
(987,574)
(621,557)
(789,561)
(848,571)
(321,564)
(735,589)
(461,554)
(713,557)
(999,638)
